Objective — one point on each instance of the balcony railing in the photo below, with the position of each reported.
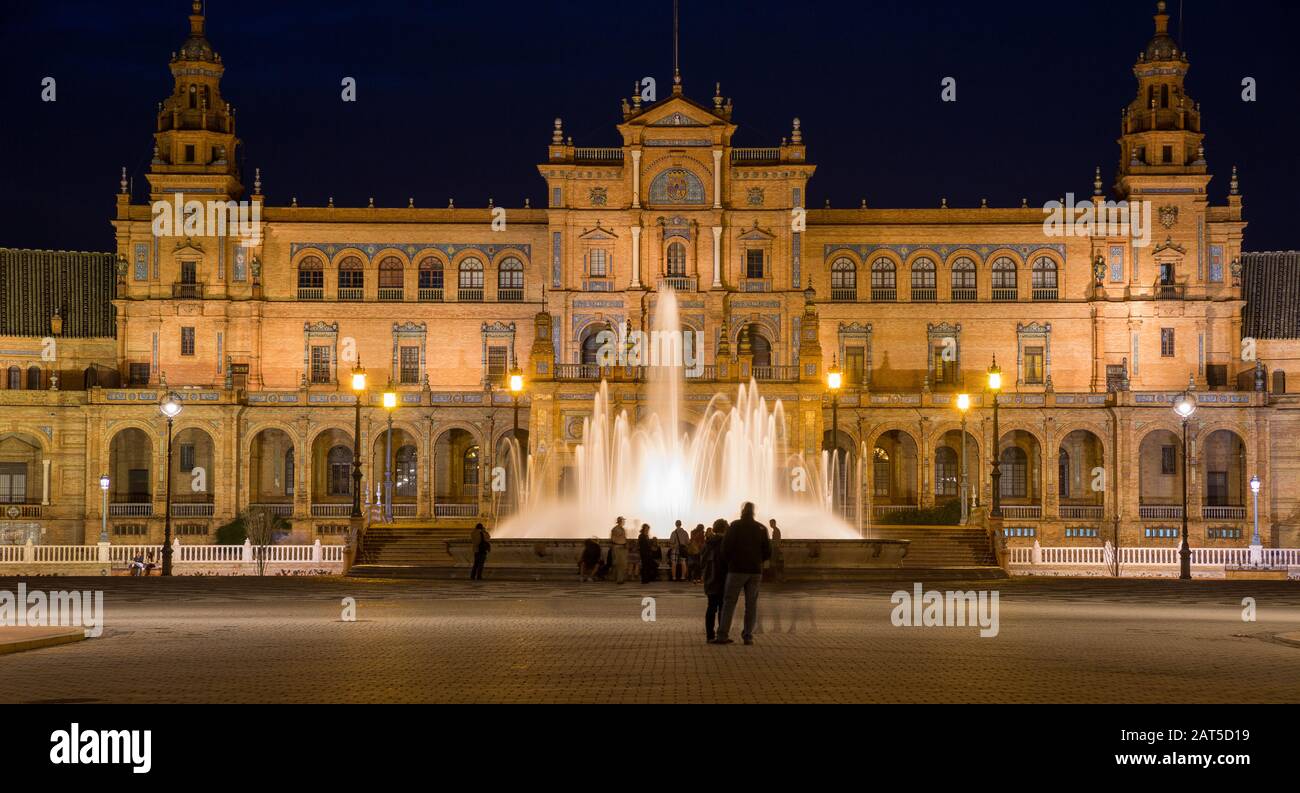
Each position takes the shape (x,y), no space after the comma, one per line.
(756,285)
(963,295)
(756,155)
(187,291)
(1006,295)
(1023,512)
(844,295)
(351,294)
(879,511)
(1170,291)
(510,295)
(776,374)
(15,511)
(470,295)
(391,294)
(331,510)
(1081,511)
(1046,295)
(405,510)
(279,510)
(130,510)
(455,510)
(430,295)
(577,371)
(311,293)
(597,154)
(679,283)
(1160,512)
(924,294)
(884,295)
(1223,513)
(193,510)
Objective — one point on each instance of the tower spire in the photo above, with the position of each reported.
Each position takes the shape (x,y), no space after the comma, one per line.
(677,66)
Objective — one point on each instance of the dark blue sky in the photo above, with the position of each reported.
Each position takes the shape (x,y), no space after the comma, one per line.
(456,98)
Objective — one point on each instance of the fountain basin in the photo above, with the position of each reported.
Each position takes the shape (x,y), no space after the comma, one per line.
(805,560)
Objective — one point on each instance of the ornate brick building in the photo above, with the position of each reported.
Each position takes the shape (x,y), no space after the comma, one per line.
(1096,333)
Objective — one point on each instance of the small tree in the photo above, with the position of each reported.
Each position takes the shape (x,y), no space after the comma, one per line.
(261,526)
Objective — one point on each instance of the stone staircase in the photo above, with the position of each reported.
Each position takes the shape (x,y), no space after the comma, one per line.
(941,547)
(408,546)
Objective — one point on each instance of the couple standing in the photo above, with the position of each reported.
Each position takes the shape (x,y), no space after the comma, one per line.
(733,561)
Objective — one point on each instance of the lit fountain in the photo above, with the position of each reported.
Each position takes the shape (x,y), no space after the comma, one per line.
(660,471)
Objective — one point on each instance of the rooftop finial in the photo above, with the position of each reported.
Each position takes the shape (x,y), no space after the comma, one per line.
(557,137)
(1096,182)
(677,63)
(1162,18)
(1235,187)
(257,181)
(123,180)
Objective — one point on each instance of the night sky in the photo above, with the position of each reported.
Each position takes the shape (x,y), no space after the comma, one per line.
(456,99)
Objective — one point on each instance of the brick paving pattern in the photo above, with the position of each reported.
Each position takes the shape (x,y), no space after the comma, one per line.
(282,640)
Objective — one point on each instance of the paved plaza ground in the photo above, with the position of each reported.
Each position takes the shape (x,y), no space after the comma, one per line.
(282,640)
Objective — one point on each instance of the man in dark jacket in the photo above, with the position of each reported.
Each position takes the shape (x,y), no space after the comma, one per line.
(745,547)
(714,572)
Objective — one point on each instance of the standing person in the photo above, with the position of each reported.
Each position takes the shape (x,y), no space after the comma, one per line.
(777,565)
(714,573)
(650,555)
(745,547)
(693,553)
(481,543)
(589,562)
(678,542)
(618,538)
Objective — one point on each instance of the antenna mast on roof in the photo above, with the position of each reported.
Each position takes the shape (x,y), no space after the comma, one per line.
(677,71)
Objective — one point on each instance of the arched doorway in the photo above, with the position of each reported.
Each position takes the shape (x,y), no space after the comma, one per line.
(1223,458)
(20,470)
(273,472)
(843,467)
(760,346)
(331,475)
(947,468)
(894,486)
(512,458)
(1021,459)
(130,467)
(1081,479)
(405,471)
(193,477)
(457,465)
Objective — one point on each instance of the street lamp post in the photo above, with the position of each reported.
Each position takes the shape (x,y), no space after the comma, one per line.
(170,408)
(995,385)
(104,484)
(358,388)
(390,404)
(516,389)
(1185,406)
(963,405)
(834,382)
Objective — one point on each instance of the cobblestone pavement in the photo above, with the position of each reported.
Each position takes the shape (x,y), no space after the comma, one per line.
(282,640)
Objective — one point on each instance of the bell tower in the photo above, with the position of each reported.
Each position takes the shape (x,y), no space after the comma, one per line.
(1162,126)
(195,148)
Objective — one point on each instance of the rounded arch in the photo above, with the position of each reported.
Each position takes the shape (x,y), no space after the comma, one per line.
(884,277)
(1004,270)
(351,270)
(895,460)
(1020,454)
(14,378)
(1224,458)
(677,185)
(273,465)
(676,256)
(844,273)
(392,253)
(947,462)
(458,458)
(510,273)
(760,344)
(1080,454)
(1279,381)
(332,455)
(20,468)
(589,341)
(924,275)
(1045,277)
(131,465)
(405,463)
(845,253)
(1160,467)
(509,252)
(392,272)
(469,272)
(431,276)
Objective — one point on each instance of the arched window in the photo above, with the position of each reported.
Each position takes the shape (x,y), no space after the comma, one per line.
(1164,96)
(760,346)
(591,346)
(471,280)
(510,280)
(405,475)
(392,278)
(676,260)
(15,381)
(945,472)
(430,279)
(1063,474)
(963,280)
(1015,473)
(469,477)
(844,280)
(33,378)
(1279,382)
(1045,278)
(352,279)
(311,278)
(884,280)
(90,378)
(1004,278)
(340,471)
(924,280)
